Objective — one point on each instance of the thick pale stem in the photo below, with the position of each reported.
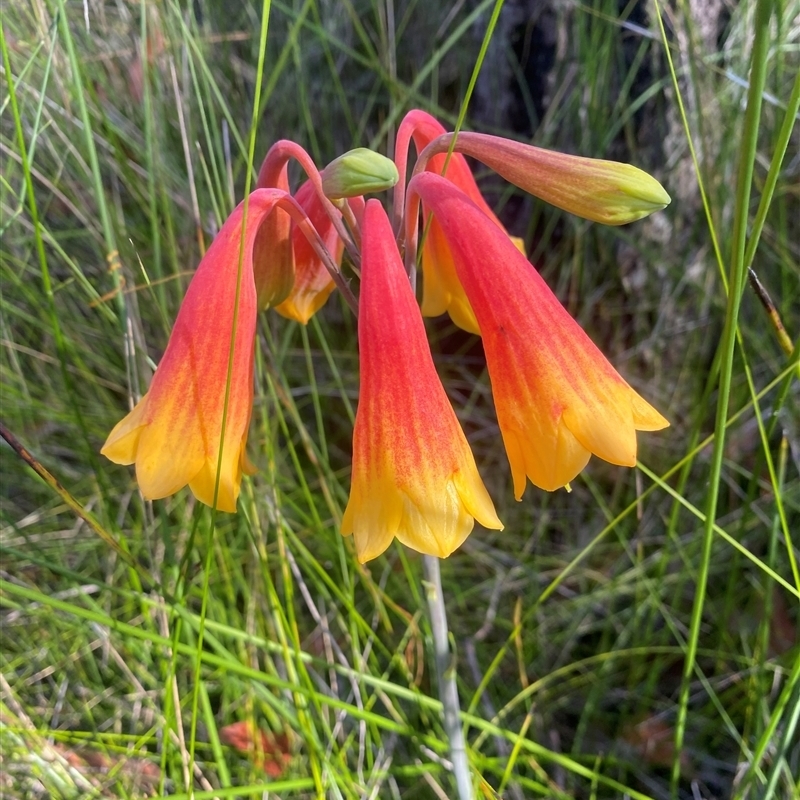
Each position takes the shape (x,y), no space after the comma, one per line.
(446,675)
(276,158)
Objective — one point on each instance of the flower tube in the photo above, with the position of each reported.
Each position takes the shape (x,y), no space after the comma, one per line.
(173,434)
(558,399)
(414,475)
(312,283)
(441,290)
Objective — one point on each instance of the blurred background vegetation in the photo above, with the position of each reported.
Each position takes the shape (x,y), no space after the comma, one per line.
(315,675)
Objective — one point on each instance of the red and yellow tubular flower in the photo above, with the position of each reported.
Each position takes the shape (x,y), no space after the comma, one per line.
(313,283)
(173,434)
(558,399)
(441,290)
(414,475)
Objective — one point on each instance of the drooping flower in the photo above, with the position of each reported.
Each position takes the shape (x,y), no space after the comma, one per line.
(414,475)
(313,283)
(558,399)
(173,434)
(441,290)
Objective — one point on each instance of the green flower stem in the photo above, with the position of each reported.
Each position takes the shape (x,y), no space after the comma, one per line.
(487,38)
(446,675)
(727,346)
(771,181)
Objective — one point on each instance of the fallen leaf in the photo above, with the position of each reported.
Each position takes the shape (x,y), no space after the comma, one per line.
(654,742)
(88,761)
(268,751)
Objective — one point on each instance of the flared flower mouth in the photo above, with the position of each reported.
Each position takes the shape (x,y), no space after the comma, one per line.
(432,516)
(162,468)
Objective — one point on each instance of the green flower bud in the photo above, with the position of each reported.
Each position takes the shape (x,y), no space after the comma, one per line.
(357,172)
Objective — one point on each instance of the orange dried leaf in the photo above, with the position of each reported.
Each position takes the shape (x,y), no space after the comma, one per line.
(268,751)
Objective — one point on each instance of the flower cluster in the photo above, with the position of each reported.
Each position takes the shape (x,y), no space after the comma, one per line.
(414,478)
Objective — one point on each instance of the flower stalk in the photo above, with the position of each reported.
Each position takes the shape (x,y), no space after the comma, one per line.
(446,678)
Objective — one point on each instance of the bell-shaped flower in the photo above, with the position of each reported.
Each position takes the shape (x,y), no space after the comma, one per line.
(557,397)
(414,475)
(441,290)
(313,283)
(174,433)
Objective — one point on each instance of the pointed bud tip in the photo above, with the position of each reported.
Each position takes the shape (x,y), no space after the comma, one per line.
(357,172)
(643,194)
(613,193)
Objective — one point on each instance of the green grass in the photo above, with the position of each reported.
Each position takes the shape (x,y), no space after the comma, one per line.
(648,606)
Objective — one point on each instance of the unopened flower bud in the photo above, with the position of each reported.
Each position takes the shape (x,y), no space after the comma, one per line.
(602,191)
(357,172)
